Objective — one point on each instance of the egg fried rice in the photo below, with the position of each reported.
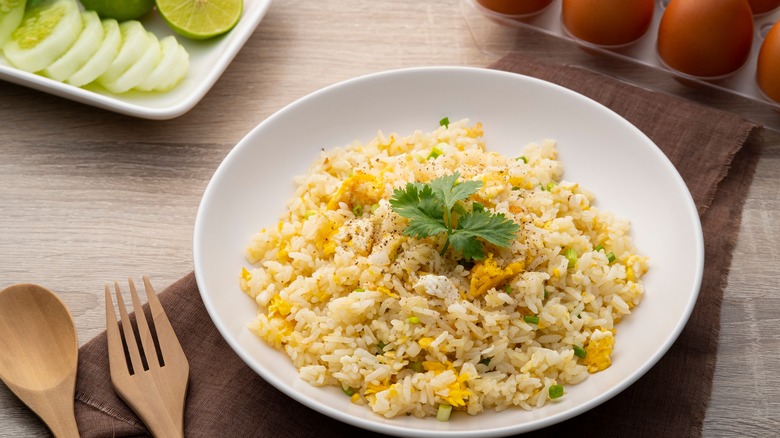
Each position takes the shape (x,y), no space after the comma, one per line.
(405,329)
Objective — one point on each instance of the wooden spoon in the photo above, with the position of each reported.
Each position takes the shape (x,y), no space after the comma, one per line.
(40,354)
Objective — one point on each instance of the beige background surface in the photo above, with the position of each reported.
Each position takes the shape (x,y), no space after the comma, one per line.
(88,196)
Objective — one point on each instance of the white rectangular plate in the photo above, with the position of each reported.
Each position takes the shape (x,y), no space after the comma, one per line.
(208,60)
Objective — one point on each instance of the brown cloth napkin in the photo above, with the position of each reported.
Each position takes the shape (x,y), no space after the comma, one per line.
(716,154)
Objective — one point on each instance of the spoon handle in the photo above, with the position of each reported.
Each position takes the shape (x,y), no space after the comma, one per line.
(64,426)
(54,406)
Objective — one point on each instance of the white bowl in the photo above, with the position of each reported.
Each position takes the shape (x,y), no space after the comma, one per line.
(600,150)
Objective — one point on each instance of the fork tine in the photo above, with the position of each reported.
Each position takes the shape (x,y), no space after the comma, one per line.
(127,328)
(157,395)
(116,354)
(165,334)
(143,327)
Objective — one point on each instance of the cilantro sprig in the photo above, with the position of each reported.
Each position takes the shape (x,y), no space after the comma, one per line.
(438,207)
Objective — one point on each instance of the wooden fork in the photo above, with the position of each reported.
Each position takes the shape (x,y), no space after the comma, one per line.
(152,380)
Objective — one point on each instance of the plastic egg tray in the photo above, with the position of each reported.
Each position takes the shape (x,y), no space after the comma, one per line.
(493,34)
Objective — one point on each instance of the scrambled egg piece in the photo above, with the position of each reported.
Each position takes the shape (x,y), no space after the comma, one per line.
(475,131)
(326,238)
(519,181)
(382,146)
(372,388)
(246,277)
(493,185)
(516,209)
(598,351)
(425,343)
(636,267)
(456,392)
(487,274)
(275,330)
(387,292)
(284,250)
(359,189)
(279,305)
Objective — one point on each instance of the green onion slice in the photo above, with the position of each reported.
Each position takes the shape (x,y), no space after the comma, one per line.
(348,391)
(571,255)
(357,210)
(445,122)
(443,414)
(611,257)
(416,366)
(485,361)
(531,319)
(579,351)
(556,391)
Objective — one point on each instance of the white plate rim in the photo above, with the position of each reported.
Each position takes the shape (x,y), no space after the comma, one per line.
(225,47)
(698,248)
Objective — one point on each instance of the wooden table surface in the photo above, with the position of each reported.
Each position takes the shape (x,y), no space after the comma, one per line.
(88,196)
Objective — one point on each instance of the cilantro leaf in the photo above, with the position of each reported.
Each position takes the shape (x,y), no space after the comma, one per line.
(430,208)
(450,191)
(491,227)
(408,201)
(424,210)
(467,245)
(479,223)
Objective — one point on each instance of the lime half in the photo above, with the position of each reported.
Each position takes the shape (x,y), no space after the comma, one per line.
(120,10)
(200,19)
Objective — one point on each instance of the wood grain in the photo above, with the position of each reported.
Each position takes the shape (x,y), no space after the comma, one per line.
(88,196)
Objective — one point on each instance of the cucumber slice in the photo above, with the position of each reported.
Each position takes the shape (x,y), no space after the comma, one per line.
(179,71)
(138,71)
(135,42)
(101,60)
(81,51)
(11,13)
(47,31)
(167,69)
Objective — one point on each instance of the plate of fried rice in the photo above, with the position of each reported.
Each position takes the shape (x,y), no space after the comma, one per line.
(448,251)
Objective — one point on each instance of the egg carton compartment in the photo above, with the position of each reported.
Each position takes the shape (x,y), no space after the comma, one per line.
(637,63)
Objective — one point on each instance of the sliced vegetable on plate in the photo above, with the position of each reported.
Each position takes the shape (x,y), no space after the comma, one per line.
(11,13)
(102,58)
(60,40)
(81,51)
(171,68)
(46,32)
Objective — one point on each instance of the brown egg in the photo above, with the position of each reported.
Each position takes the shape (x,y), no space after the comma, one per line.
(768,69)
(761,6)
(706,38)
(515,7)
(607,22)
